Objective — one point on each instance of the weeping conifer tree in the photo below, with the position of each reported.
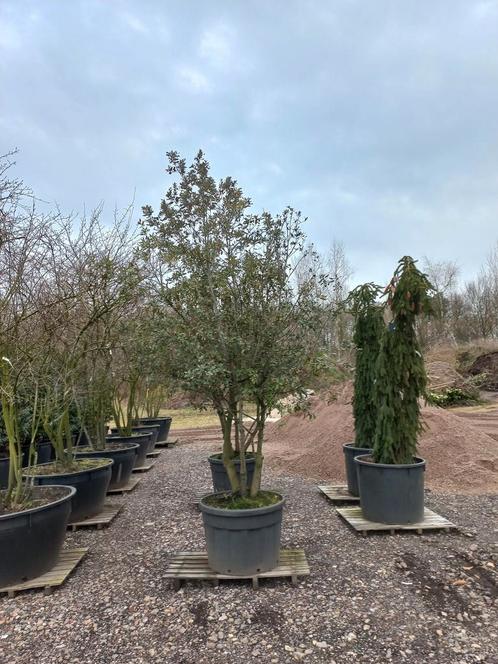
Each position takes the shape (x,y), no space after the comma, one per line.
(367,334)
(400,376)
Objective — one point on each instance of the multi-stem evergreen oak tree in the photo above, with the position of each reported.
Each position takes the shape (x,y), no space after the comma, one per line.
(400,373)
(368,329)
(224,276)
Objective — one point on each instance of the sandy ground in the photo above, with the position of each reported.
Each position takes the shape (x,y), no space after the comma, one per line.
(462,457)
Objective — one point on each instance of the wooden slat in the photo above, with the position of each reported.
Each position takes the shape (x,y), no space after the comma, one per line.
(431,521)
(154,454)
(68,561)
(132,483)
(147,466)
(194,565)
(104,518)
(338,493)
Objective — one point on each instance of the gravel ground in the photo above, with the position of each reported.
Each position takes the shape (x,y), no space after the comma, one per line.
(402,598)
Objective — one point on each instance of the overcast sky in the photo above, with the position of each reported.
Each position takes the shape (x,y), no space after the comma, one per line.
(379,120)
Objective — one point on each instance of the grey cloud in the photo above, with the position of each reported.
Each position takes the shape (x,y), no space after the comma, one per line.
(379,120)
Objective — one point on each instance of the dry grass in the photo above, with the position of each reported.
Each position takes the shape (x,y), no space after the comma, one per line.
(191,418)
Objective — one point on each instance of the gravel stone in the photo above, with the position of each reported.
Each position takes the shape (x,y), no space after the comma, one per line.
(402,598)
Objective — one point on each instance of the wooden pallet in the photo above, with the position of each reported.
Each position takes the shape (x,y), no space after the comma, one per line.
(104,518)
(338,493)
(143,469)
(69,559)
(132,483)
(154,454)
(431,521)
(193,565)
(167,443)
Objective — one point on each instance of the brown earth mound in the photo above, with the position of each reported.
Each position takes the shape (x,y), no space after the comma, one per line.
(442,375)
(460,459)
(487,364)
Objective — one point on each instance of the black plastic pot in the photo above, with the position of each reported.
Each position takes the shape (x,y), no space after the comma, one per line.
(123,455)
(350,452)
(31,540)
(219,474)
(4,472)
(81,439)
(391,493)
(153,429)
(164,423)
(242,542)
(44,450)
(143,440)
(91,487)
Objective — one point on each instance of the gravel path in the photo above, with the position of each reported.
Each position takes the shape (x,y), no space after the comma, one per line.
(403,598)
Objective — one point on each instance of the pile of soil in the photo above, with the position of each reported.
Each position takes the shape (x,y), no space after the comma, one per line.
(487,364)
(460,458)
(442,375)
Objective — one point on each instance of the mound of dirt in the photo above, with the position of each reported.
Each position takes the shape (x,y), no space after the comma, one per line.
(487,364)
(442,375)
(460,458)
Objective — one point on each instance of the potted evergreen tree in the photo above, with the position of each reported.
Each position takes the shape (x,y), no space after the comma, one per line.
(368,317)
(391,479)
(245,334)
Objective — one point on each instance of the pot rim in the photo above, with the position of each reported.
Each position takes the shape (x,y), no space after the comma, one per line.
(253,511)
(113,436)
(159,418)
(71,493)
(419,462)
(128,446)
(354,447)
(212,459)
(76,472)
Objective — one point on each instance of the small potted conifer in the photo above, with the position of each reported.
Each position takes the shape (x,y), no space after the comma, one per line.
(367,334)
(391,479)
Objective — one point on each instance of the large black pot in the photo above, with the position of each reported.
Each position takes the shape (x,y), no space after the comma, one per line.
(4,472)
(123,455)
(219,474)
(242,542)
(152,429)
(164,423)
(391,493)
(81,438)
(44,451)
(350,452)
(143,440)
(91,487)
(31,540)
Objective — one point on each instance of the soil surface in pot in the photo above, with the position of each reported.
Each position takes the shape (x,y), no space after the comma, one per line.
(77,466)
(50,495)
(236,457)
(230,501)
(109,446)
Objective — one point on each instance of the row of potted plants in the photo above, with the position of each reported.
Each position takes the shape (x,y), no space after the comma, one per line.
(78,346)
(46,499)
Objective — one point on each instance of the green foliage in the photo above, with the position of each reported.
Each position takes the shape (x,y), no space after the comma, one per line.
(401,378)
(453,396)
(224,276)
(367,334)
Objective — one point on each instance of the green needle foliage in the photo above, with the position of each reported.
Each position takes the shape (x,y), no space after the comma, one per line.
(367,334)
(401,378)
